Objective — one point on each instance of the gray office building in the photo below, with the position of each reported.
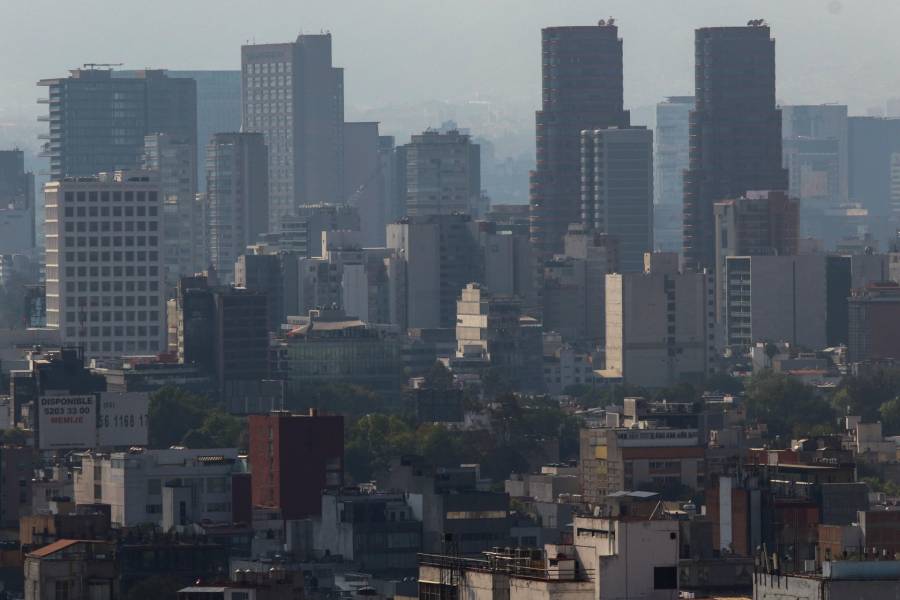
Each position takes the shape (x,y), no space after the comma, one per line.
(237,197)
(617,190)
(443,174)
(293,95)
(98,122)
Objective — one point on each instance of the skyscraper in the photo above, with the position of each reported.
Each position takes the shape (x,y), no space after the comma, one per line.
(671,156)
(582,89)
(237,196)
(173,158)
(293,95)
(443,174)
(98,122)
(363,179)
(735,130)
(17,228)
(617,190)
(104,263)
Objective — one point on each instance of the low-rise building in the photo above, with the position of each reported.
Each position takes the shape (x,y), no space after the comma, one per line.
(377,532)
(168,488)
(72,569)
(837,579)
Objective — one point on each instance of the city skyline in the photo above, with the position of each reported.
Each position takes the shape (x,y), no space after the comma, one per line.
(498,65)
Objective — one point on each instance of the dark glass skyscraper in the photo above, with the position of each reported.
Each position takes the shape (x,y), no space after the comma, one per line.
(735,130)
(98,122)
(582,89)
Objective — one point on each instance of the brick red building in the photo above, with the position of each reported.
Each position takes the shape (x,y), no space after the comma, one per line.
(293,458)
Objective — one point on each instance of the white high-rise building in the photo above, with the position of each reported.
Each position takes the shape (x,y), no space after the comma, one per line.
(105,263)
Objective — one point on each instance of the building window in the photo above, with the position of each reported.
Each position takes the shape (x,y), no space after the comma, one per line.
(61,590)
(665,578)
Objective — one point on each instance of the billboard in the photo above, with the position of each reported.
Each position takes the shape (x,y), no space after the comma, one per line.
(122,419)
(67,422)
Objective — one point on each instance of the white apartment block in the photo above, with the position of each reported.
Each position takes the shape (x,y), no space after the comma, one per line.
(104,263)
(171,487)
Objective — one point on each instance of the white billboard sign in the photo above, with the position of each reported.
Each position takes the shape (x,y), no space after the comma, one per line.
(122,419)
(67,422)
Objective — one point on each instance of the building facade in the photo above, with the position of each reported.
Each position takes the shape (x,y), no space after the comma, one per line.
(293,95)
(874,314)
(617,190)
(443,174)
(282,482)
(581,89)
(671,157)
(237,197)
(735,130)
(105,269)
(98,122)
(660,325)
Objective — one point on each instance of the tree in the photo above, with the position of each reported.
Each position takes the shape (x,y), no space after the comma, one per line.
(785,404)
(864,394)
(724,382)
(173,413)
(439,377)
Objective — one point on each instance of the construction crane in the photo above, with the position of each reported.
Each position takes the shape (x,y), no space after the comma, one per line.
(101,65)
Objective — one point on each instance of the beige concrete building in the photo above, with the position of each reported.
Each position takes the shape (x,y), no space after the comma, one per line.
(105,266)
(72,569)
(659,324)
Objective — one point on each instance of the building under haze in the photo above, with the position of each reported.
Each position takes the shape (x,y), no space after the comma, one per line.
(237,197)
(293,95)
(671,158)
(617,190)
(173,159)
(363,179)
(17,207)
(443,174)
(98,122)
(735,130)
(104,263)
(581,89)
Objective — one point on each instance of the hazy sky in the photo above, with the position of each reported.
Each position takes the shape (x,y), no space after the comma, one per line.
(398,51)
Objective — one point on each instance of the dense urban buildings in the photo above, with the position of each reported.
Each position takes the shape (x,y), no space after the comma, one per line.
(582,89)
(98,122)
(17,205)
(293,95)
(105,270)
(617,190)
(735,130)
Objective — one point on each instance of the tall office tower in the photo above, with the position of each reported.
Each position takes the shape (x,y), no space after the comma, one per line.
(218,107)
(582,89)
(671,151)
(617,190)
(735,130)
(294,96)
(438,256)
(364,179)
(98,122)
(173,158)
(237,197)
(815,143)
(17,228)
(104,263)
(443,174)
(388,157)
(874,148)
(652,347)
(759,223)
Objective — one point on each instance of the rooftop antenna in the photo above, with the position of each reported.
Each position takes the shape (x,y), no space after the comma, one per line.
(100,65)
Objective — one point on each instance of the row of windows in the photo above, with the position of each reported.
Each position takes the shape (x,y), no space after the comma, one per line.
(266,68)
(111,211)
(106,316)
(117,346)
(110,241)
(113,301)
(120,331)
(148,196)
(115,226)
